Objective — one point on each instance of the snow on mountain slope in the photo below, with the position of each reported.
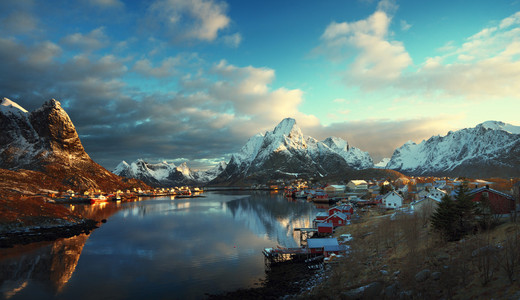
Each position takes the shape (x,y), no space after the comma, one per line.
(285,150)
(44,135)
(8,106)
(490,148)
(352,155)
(166,174)
(496,125)
(382,164)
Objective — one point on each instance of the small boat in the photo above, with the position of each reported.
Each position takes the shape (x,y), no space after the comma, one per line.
(98,199)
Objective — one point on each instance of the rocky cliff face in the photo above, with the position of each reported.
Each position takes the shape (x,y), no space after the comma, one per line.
(46,140)
(286,152)
(491,149)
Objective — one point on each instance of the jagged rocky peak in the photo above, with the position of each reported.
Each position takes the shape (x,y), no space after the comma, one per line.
(122,166)
(354,157)
(382,164)
(288,127)
(53,124)
(285,151)
(336,143)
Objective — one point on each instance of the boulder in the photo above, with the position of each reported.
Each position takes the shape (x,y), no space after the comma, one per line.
(422,275)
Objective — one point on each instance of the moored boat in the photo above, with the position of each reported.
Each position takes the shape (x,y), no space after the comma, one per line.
(98,199)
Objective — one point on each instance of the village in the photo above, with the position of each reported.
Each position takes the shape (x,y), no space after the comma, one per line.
(339,205)
(94,196)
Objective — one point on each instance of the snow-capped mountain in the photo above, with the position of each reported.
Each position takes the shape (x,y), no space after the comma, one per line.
(490,149)
(354,157)
(382,164)
(45,140)
(167,174)
(285,151)
(29,137)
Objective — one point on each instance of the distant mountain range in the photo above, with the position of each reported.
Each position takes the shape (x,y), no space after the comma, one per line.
(491,149)
(167,174)
(46,141)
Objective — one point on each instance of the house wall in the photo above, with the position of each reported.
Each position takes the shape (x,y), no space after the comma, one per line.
(499,204)
(393,201)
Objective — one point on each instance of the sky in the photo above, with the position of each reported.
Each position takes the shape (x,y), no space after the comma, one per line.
(192,80)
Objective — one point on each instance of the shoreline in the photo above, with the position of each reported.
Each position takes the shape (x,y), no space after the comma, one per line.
(40,234)
(287,280)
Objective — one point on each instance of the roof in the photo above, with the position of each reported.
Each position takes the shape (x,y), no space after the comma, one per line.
(339,215)
(322,214)
(358,182)
(342,207)
(324,225)
(475,191)
(425,198)
(390,193)
(338,187)
(321,243)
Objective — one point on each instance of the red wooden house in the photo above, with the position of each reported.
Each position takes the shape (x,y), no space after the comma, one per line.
(325,227)
(338,219)
(346,209)
(500,203)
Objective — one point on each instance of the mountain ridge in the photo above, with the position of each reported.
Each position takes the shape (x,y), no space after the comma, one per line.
(164,174)
(490,149)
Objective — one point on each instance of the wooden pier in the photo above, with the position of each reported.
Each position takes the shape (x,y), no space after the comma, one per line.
(273,256)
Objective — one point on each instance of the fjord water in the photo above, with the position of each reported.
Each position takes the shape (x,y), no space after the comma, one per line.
(159,248)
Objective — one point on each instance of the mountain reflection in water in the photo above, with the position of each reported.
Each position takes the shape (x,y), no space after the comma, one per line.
(158,248)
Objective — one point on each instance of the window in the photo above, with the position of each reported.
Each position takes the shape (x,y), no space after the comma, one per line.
(485,194)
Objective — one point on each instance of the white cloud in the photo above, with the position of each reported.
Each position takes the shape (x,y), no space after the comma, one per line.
(166,68)
(405,26)
(107,3)
(247,90)
(232,40)
(486,66)
(19,22)
(94,40)
(377,60)
(44,54)
(188,19)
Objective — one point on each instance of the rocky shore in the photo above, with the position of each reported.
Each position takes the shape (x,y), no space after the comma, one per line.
(287,280)
(39,234)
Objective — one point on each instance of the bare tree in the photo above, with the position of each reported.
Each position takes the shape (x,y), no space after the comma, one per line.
(510,260)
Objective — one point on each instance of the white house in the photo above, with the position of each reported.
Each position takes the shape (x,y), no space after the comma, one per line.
(392,200)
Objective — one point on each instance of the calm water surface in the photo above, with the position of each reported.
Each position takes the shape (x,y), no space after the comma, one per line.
(159,248)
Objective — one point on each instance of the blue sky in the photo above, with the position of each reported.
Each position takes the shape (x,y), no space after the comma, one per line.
(183,80)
